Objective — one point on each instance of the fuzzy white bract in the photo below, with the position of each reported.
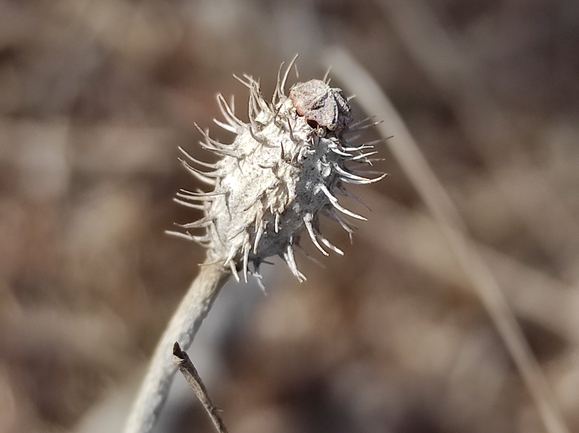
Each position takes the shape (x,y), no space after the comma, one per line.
(282,171)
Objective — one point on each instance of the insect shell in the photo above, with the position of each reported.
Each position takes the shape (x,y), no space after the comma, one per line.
(319,103)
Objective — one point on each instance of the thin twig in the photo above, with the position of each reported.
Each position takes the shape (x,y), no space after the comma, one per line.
(404,148)
(182,360)
(182,327)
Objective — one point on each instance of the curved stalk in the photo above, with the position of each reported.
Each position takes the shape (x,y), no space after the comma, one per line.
(182,329)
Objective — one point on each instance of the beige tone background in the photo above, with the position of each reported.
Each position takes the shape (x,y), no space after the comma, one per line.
(95,97)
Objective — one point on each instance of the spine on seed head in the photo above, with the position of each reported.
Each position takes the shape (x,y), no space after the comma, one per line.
(283,171)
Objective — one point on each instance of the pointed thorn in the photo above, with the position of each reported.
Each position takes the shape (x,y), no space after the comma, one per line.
(349,212)
(226,126)
(208,178)
(291,132)
(331,213)
(364,181)
(203,222)
(364,146)
(201,196)
(363,156)
(331,246)
(277,93)
(258,278)
(307,256)
(181,235)
(189,205)
(334,202)
(291,262)
(362,122)
(347,174)
(227,112)
(312,233)
(326,76)
(340,152)
(196,161)
(246,250)
(234,271)
(353,196)
(258,235)
(242,81)
(285,76)
(363,172)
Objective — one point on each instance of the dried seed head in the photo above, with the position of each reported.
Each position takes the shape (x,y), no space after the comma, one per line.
(277,177)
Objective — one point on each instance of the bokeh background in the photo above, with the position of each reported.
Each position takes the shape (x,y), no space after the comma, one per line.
(95,98)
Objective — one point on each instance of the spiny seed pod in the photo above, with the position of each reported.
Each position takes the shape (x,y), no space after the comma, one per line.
(278,176)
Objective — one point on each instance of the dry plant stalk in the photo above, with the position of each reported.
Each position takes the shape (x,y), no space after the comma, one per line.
(182,360)
(280,174)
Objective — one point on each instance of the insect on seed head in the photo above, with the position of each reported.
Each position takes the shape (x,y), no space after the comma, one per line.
(317,102)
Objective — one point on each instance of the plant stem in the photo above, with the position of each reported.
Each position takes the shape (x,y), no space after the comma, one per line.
(182,328)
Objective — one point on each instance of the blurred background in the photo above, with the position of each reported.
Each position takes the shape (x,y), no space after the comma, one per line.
(95,98)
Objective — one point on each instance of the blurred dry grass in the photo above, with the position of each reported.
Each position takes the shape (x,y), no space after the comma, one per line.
(95,96)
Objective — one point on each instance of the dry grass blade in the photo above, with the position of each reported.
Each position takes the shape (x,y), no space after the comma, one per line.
(182,360)
(404,148)
(440,55)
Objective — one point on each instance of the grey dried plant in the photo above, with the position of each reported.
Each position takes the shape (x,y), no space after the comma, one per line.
(284,169)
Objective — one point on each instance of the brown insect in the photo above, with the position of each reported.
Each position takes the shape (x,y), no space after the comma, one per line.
(319,103)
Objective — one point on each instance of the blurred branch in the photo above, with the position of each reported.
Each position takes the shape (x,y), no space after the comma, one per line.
(487,125)
(182,360)
(533,293)
(432,192)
